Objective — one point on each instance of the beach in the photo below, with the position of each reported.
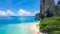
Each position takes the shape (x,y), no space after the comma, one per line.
(27,28)
(19,25)
(33,28)
(22,28)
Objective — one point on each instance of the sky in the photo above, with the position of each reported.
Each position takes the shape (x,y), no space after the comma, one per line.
(56,1)
(19,7)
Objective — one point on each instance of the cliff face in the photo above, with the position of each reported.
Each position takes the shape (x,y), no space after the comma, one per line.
(58,5)
(48,8)
(47,4)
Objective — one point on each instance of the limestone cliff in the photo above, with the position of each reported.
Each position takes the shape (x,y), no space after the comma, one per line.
(48,8)
(45,4)
(58,5)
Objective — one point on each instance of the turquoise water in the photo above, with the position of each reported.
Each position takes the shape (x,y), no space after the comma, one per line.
(16,24)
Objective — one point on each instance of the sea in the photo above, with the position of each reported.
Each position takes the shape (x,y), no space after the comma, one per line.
(16,24)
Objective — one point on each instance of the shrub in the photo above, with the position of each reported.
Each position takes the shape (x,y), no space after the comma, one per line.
(55,32)
(49,25)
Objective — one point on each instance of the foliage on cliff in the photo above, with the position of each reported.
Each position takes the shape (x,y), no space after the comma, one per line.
(37,16)
(50,25)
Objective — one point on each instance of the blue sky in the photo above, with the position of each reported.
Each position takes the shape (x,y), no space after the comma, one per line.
(14,5)
(56,1)
(19,7)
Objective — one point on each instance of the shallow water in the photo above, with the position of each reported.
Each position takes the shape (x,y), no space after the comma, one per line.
(16,25)
(16,29)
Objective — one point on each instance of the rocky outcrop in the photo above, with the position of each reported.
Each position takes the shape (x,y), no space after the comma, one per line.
(45,4)
(48,8)
(58,5)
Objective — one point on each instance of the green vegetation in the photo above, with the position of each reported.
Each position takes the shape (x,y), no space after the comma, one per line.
(50,25)
(55,32)
(37,16)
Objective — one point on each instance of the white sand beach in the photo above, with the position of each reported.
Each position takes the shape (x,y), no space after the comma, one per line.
(27,28)
(34,28)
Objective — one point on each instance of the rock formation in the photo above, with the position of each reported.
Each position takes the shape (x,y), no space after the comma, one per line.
(58,5)
(48,8)
(45,5)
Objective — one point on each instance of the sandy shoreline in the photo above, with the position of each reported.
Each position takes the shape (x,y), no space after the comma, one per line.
(27,27)
(34,28)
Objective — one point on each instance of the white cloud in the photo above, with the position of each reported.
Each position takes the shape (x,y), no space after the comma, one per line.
(20,12)
(37,12)
(3,13)
(10,13)
(7,13)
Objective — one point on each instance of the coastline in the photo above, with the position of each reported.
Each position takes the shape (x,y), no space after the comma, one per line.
(24,28)
(34,28)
